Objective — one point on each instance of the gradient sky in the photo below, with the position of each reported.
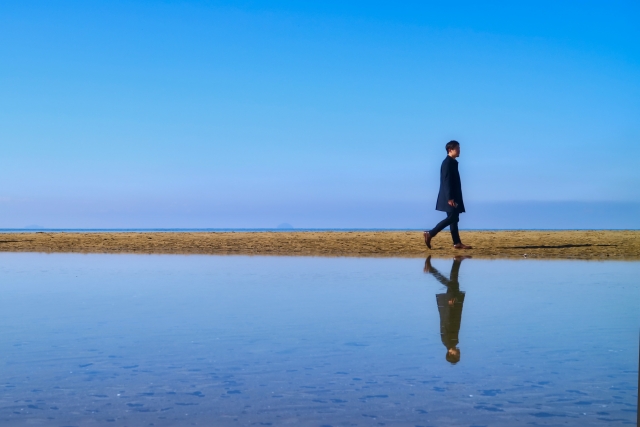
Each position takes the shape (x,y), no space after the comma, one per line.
(320,114)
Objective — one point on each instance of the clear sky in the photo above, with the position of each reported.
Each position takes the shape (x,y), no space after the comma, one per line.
(316,113)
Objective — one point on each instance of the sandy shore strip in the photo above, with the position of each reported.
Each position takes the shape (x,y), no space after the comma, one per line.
(592,245)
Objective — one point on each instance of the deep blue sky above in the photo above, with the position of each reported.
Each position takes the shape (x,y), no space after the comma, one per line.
(321,114)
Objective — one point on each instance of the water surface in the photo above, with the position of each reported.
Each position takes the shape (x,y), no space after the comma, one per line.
(162,340)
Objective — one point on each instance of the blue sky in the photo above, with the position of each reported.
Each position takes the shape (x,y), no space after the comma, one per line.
(320,114)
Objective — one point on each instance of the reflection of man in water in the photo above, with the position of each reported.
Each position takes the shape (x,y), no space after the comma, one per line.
(450,307)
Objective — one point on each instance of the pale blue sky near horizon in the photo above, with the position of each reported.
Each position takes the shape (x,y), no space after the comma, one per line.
(319,114)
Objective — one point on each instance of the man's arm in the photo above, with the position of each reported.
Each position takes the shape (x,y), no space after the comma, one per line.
(447,180)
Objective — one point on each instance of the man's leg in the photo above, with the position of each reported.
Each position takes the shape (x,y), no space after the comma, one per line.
(453,227)
(444,223)
(455,235)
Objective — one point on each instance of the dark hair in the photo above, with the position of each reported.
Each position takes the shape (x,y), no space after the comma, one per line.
(453,358)
(451,145)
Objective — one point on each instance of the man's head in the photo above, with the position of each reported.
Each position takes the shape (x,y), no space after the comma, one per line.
(453,149)
(453,355)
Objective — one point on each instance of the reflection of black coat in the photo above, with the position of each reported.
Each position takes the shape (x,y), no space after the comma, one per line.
(450,317)
(450,186)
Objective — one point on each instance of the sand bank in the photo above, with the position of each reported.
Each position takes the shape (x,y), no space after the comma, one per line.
(601,245)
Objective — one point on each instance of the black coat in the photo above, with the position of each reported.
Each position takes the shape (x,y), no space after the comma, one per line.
(450,186)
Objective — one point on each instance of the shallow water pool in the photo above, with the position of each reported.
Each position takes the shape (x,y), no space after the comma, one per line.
(141,340)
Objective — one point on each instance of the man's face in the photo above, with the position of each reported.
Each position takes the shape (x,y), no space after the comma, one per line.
(455,152)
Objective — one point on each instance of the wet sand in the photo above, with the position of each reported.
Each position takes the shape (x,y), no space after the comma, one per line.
(600,245)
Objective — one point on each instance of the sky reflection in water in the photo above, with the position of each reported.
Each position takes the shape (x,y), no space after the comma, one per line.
(124,340)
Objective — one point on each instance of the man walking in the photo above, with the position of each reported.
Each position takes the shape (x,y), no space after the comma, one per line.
(449,197)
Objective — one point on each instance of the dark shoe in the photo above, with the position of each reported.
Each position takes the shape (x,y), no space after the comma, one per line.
(461,246)
(427,239)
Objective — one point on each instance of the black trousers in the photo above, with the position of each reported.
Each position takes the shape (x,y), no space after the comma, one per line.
(452,221)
